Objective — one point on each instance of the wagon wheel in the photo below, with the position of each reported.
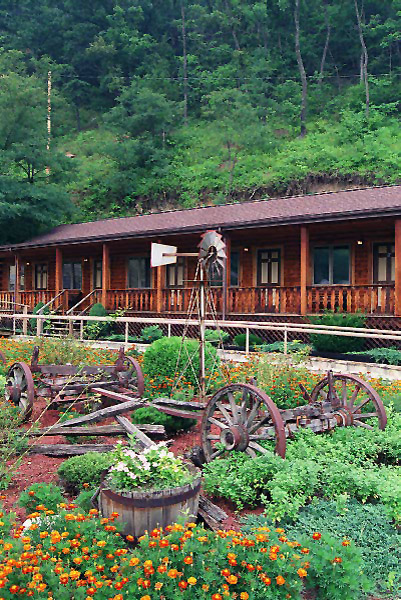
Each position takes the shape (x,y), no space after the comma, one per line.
(353,399)
(131,376)
(238,417)
(20,389)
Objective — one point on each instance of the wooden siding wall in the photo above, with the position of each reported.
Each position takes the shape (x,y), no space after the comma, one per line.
(285,238)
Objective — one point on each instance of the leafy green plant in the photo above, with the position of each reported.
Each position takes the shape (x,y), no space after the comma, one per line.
(83,500)
(153,416)
(88,468)
(61,351)
(12,442)
(293,347)
(362,463)
(216,336)
(240,340)
(337,343)
(151,333)
(41,494)
(367,525)
(172,364)
(97,329)
(39,305)
(387,356)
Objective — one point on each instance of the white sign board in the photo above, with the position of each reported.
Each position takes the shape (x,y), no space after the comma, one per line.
(158,255)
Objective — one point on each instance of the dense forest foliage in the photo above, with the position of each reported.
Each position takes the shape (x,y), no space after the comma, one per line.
(158,104)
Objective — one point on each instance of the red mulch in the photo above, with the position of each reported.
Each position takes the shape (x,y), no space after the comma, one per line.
(38,468)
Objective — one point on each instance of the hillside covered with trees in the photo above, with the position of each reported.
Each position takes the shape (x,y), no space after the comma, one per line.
(175,103)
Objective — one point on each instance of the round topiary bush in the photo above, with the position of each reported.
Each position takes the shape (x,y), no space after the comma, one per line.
(87,468)
(97,310)
(168,358)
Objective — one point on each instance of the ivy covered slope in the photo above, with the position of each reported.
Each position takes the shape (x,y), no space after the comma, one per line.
(169,104)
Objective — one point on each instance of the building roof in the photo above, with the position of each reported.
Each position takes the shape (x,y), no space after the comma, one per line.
(331,206)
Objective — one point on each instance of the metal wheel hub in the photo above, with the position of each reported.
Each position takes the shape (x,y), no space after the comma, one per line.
(14,393)
(344,417)
(235,438)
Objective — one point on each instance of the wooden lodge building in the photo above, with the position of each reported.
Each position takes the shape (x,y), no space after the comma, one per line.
(290,256)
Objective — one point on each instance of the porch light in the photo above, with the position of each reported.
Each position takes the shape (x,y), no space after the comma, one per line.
(360,242)
(246,249)
(27,264)
(85,260)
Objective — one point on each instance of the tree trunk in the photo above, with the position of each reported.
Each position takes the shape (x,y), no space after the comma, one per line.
(364,57)
(185,63)
(326,44)
(301,71)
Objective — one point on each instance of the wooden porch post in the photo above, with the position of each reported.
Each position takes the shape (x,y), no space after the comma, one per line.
(159,289)
(398,268)
(304,268)
(59,271)
(105,273)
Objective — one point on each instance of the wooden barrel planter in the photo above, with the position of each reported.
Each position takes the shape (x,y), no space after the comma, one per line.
(145,510)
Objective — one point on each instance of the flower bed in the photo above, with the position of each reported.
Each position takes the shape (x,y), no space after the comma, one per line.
(74,555)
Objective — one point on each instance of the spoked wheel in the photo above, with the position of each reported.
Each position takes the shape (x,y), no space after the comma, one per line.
(238,417)
(20,389)
(354,401)
(131,377)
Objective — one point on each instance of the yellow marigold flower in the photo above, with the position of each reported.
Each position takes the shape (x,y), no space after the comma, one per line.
(192,580)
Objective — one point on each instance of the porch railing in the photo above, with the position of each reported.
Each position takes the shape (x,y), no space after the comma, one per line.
(138,300)
(370,299)
(33,298)
(264,300)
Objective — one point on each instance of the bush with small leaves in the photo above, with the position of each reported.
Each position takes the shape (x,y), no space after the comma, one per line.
(41,494)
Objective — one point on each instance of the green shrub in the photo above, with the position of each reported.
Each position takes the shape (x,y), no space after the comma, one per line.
(46,494)
(292,347)
(88,468)
(97,329)
(84,499)
(33,322)
(386,356)
(254,340)
(98,310)
(215,336)
(119,337)
(171,363)
(360,462)
(151,416)
(367,525)
(337,343)
(151,334)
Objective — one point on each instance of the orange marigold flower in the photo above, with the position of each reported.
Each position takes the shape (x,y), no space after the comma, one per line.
(316,536)
(346,543)
(280,580)
(134,561)
(232,579)
(217,597)
(183,585)
(172,573)
(338,560)
(188,560)
(244,595)
(192,580)
(302,572)
(305,551)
